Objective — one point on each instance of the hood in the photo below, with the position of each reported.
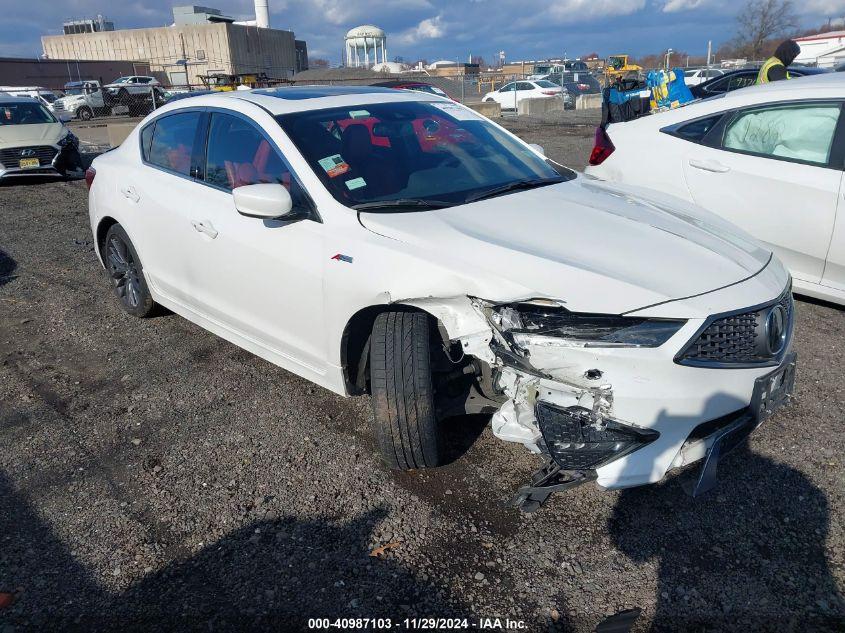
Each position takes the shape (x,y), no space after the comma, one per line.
(592,245)
(41,133)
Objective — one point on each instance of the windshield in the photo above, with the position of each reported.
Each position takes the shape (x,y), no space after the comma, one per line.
(24,114)
(121,80)
(413,152)
(49,97)
(75,90)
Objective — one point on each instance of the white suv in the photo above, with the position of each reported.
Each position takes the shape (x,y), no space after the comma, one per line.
(399,244)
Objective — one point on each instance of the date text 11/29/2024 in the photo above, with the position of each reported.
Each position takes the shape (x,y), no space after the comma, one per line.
(426,624)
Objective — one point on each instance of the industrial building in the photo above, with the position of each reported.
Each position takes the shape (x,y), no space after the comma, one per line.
(92,25)
(201,41)
(825,50)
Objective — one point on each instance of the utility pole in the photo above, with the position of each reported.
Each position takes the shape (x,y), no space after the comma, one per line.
(185,59)
(709,51)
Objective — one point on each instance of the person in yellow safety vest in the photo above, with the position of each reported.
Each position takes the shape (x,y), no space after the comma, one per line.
(774,68)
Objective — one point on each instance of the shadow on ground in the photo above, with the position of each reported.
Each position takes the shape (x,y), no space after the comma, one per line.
(749,555)
(7,268)
(268,574)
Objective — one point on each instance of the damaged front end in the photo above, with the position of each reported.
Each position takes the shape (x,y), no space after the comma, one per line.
(554,404)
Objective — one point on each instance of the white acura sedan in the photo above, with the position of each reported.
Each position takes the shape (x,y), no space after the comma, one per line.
(768,158)
(398,244)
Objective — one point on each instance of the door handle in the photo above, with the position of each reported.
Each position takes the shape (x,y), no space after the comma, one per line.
(204,227)
(130,193)
(709,165)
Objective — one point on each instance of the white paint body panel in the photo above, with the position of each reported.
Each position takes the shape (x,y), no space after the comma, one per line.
(791,207)
(276,291)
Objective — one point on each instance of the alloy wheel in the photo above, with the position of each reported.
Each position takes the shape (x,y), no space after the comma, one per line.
(124,272)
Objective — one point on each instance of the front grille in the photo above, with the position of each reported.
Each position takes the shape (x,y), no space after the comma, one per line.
(11,157)
(576,444)
(737,338)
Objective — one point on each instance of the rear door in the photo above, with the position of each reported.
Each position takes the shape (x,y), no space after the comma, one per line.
(834,270)
(160,195)
(771,174)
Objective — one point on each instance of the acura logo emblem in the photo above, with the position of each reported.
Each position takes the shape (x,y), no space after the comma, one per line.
(776,330)
(27,152)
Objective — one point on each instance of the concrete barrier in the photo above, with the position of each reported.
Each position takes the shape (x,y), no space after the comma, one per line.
(587,102)
(118,132)
(490,109)
(543,105)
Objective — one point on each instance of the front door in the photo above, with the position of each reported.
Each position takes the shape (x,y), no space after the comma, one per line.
(261,279)
(772,177)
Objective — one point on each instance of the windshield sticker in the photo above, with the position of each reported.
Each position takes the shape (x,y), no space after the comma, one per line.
(458,111)
(358,114)
(334,166)
(356,183)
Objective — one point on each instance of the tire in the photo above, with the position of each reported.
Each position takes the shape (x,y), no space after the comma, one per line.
(404,419)
(85,113)
(126,273)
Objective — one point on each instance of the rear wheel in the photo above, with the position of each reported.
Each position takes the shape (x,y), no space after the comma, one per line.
(127,273)
(404,418)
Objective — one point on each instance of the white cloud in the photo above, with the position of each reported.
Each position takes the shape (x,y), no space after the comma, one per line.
(673,6)
(428,29)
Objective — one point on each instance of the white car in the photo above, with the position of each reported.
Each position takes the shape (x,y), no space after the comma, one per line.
(399,244)
(134,85)
(509,95)
(34,142)
(696,76)
(767,158)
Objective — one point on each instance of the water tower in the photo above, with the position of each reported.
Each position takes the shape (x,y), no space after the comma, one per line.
(363,45)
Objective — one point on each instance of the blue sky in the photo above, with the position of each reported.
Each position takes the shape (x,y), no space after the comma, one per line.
(438,29)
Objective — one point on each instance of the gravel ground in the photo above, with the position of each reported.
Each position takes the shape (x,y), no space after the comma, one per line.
(153,476)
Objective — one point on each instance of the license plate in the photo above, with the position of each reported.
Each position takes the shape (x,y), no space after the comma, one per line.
(29,162)
(773,390)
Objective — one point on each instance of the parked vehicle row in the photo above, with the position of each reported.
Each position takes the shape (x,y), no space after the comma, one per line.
(396,243)
(769,159)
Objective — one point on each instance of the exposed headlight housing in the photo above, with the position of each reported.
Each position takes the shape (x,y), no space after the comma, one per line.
(547,318)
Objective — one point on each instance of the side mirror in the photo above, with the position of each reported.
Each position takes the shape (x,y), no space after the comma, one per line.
(265,201)
(537,148)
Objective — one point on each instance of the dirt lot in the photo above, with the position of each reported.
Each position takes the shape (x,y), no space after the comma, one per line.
(153,476)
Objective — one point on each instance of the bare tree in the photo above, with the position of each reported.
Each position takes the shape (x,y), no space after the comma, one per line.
(318,62)
(762,20)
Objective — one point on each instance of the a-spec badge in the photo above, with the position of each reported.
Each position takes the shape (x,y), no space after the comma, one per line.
(340,257)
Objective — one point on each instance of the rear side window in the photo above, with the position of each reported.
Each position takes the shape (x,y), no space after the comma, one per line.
(173,142)
(146,140)
(239,155)
(741,81)
(802,133)
(697,130)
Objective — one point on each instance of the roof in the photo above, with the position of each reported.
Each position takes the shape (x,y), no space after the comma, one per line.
(316,92)
(7,98)
(365,30)
(300,98)
(830,35)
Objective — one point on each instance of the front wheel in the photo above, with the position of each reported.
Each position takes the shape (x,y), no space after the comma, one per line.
(404,417)
(85,113)
(127,273)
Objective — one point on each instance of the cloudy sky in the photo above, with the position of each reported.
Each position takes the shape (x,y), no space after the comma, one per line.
(437,29)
